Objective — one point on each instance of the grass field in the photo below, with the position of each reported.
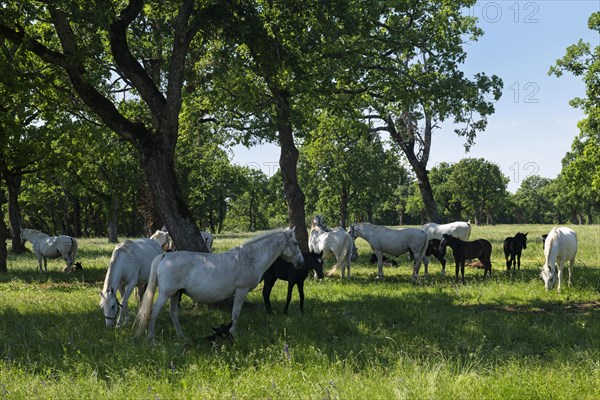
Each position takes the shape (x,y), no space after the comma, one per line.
(504,338)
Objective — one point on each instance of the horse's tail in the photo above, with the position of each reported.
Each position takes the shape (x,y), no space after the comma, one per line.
(74,250)
(422,251)
(143,315)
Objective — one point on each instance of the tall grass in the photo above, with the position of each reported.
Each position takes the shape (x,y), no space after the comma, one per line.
(359,338)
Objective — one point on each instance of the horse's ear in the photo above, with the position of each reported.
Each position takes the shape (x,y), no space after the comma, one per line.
(526,233)
(102,294)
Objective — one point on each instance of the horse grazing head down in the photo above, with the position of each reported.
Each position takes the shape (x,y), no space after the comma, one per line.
(110,306)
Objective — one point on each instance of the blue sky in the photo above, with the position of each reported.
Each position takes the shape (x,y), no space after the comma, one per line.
(534,125)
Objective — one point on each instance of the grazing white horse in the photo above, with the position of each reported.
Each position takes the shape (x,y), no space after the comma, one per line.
(129,267)
(162,237)
(211,278)
(393,242)
(560,246)
(336,242)
(459,229)
(45,247)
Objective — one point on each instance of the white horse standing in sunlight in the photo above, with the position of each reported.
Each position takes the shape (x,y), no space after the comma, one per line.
(393,242)
(459,229)
(560,246)
(45,247)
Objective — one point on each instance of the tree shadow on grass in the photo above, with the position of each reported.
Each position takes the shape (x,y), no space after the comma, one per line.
(364,328)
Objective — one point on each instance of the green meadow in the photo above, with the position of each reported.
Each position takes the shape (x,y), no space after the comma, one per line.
(359,338)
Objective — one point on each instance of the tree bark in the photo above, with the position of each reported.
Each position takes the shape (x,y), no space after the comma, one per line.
(409,140)
(159,169)
(3,236)
(288,163)
(113,234)
(426,193)
(13,184)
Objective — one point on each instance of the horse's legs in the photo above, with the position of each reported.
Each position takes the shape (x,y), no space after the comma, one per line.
(45,263)
(125,293)
(417,266)
(457,262)
(379,254)
(174,311)
(39,257)
(238,301)
(288,299)
(301,294)
(571,262)
(561,264)
(519,260)
(442,260)
(269,282)
(158,305)
(426,264)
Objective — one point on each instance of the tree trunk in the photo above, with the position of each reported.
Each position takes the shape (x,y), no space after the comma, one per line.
(113,234)
(344,207)
(3,236)
(13,184)
(405,134)
(77,217)
(426,193)
(288,164)
(159,168)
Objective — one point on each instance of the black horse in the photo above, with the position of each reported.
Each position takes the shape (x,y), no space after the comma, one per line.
(433,249)
(513,246)
(462,251)
(284,270)
(386,261)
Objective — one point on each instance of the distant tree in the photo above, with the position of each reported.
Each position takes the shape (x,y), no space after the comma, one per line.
(247,207)
(451,206)
(350,168)
(410,79)
(138,49)
(532,200)
(581,171)
(28,110)
(480,186)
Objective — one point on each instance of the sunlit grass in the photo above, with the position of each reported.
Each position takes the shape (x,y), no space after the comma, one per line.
(359,338)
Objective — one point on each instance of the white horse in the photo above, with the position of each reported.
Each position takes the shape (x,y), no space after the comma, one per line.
(336,242)
(162,237)
(560,246)
(129,267)
(460,230)
(46,247)
(211,278)
(393,242)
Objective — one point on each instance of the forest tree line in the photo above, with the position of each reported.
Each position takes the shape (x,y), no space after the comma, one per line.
(116,123)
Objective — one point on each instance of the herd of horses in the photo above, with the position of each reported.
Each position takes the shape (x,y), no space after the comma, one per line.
(150,264)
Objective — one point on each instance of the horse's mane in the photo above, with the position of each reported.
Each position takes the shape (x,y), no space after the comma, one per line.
(260,237)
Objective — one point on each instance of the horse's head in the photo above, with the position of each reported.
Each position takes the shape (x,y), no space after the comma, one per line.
(522,238)
(291,251)
(110,306)
(353,251)
(314,261)
(548,277)
(162,237)
(351,232)
(443,244)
